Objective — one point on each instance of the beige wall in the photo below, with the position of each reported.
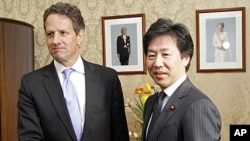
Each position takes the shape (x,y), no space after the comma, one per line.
(229,91)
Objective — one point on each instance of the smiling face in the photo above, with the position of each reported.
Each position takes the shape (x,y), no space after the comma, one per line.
(164,62)
(62,41)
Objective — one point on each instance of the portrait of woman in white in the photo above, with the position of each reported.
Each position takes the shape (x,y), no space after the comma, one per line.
(221,44)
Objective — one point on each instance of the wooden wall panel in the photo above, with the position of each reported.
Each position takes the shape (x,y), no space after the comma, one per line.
(16,59)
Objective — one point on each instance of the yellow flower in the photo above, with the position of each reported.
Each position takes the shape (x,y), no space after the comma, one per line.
(141,91)
(144,97)
(138,106)
(148,87)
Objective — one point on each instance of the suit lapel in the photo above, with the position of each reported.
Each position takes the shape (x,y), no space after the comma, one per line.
(52,85)
(149,106)
(167,113)
(92,92)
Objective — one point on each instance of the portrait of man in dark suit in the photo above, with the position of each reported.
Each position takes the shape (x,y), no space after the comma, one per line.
(123,47)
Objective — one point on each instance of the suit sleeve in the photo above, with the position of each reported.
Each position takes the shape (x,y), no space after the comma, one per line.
(202,121)
(119,44)
(28,122)
(119,122)
(128,41)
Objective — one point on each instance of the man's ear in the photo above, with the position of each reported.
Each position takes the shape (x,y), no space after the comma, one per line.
(185,60)
(80,37)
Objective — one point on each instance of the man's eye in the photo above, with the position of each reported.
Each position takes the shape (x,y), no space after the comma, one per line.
(63,33)
(151,55)
(50,34)
(165,54)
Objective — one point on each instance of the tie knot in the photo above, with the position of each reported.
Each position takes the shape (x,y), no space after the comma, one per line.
(161,95)
(67,72)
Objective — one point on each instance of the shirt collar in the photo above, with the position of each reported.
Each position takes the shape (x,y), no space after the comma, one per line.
(171,89)
(78,66)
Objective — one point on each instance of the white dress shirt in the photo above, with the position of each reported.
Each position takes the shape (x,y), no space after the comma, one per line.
(78,79)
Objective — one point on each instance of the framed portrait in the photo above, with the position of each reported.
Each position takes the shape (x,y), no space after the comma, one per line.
(221,40)
(122,43)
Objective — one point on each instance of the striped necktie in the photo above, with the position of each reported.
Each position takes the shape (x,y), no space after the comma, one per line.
(156,112)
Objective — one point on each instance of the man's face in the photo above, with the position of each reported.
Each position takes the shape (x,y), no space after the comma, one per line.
(62,41)
(164,62)
(124,31)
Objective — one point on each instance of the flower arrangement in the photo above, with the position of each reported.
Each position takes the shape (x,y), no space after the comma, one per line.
(138,107)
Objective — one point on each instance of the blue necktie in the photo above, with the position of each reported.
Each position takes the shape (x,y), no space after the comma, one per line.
(72,103)
(156,112)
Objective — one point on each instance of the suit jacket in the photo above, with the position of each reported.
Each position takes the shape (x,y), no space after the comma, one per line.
(120,45)
(193,117)
(43,114)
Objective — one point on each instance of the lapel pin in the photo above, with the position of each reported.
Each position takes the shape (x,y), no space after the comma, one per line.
(173,107)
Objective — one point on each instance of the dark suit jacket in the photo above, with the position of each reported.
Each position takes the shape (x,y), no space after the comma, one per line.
(120,45)
(43,115)
(194,118)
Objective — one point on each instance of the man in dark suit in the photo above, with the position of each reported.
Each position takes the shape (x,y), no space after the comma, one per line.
(123,47)
(43,111)
(180,111)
